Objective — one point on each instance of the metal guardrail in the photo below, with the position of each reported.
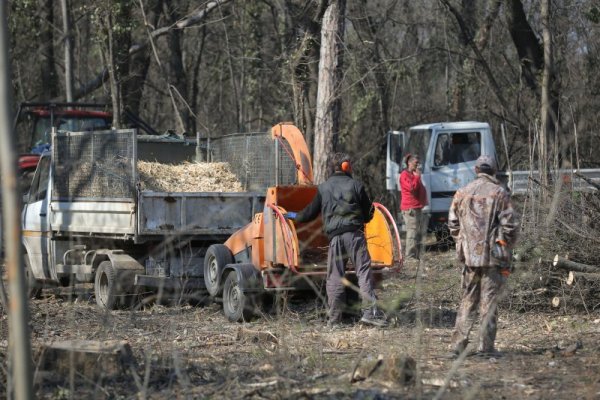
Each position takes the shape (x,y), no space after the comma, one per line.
(520,182)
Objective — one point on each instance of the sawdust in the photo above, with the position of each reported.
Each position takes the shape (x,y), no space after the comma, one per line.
(188,177)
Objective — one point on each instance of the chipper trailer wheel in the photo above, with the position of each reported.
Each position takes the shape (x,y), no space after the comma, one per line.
(237,305)
(105,286)
(217,257)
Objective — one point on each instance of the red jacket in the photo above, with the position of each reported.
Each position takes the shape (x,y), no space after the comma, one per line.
(412,192)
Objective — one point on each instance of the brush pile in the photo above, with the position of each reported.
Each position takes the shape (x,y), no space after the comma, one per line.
(558,254)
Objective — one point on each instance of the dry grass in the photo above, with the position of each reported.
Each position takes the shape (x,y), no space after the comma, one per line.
(188,177)
(193,352)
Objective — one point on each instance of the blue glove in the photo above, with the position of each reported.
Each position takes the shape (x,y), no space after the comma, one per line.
(290,215)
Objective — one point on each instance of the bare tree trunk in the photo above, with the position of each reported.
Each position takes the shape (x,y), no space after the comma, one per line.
(140,61)
(19,379)
(115,88)
(479,56)
(194,89)
(546,126)
(116,21)
(457,107)
(327,122)
(66,16)
(177,75)
(48,76)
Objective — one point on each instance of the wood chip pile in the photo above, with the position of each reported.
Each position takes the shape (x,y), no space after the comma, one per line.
(187,177)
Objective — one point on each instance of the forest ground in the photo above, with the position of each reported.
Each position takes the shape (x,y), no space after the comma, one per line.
(185,351)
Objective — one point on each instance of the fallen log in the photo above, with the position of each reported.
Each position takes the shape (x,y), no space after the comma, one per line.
(563,263)
(575,276)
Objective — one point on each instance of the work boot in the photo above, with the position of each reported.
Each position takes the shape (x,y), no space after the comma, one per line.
(375,317)
(334,325)
(486,354)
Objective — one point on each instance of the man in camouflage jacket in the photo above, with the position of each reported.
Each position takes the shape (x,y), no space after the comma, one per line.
(484,227)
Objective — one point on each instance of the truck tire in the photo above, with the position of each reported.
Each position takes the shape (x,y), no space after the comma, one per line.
(34,288)
(237,306)
(105,286)
(217,257)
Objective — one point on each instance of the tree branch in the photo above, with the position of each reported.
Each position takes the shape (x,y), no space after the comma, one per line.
(194,19)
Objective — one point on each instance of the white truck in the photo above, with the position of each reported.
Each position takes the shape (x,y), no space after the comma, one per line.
(448,151)
(86,218)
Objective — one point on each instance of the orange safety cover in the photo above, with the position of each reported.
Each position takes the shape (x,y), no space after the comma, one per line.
(280,242)
(379,240)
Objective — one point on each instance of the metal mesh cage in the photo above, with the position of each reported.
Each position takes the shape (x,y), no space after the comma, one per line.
(255,158)
(94,165)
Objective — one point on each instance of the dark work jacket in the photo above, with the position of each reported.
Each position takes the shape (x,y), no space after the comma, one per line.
(343,204)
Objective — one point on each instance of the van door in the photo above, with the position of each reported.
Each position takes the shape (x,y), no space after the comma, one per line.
(453,166)
(393,162)
(36,232)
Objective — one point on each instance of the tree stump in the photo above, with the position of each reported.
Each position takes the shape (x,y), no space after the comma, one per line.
(92,359)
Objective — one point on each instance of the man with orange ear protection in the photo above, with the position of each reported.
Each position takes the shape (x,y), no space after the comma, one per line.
(345,208)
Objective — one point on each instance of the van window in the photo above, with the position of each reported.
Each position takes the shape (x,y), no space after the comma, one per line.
(39,186)
(417,142)
(457,147)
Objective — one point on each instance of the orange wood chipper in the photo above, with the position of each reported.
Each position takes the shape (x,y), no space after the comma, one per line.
(273,253)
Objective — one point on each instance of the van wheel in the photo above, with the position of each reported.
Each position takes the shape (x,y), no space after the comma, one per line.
(237,306)
(217,257)
(105,286)
(34,288)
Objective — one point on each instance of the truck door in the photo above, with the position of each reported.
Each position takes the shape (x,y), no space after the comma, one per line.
(453,166)
(393,162)
(36,232)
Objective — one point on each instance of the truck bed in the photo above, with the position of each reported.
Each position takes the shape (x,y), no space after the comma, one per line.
(206,213)
(157,214)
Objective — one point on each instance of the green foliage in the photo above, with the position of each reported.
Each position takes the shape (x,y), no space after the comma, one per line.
(593,14)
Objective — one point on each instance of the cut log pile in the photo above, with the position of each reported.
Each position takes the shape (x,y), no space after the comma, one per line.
(557,255)
(187,177)
(560,283)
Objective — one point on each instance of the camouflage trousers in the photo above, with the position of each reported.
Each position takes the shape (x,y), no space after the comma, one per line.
(481,286)
(416,226)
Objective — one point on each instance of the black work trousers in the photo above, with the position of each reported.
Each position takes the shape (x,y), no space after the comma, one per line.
(353,246)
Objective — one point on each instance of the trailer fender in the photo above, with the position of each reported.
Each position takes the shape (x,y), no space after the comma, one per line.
(249,278)
(125,266)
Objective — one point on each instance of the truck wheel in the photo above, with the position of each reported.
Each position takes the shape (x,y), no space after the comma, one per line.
(105,286)
(217,257)
(237,306)
(34,288)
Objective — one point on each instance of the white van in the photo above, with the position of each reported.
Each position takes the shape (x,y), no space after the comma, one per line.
(448,151)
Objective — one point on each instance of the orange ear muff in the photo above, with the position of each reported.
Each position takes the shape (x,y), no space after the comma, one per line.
(346,167)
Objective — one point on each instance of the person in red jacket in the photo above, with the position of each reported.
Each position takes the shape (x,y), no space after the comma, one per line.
(413,199)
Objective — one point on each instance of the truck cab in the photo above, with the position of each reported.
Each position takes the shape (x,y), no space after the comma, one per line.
(448,151)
